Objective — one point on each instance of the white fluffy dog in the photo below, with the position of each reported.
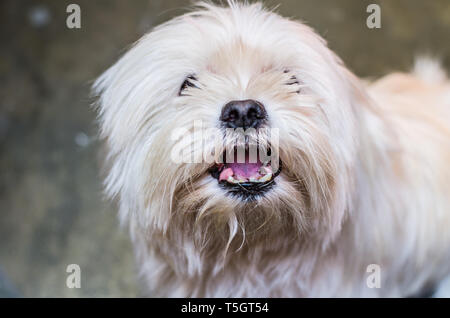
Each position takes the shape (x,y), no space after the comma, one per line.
(363,175)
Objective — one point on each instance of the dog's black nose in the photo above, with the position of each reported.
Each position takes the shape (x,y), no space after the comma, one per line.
(243,114)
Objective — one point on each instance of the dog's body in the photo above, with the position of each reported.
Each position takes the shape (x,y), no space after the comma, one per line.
(364,177)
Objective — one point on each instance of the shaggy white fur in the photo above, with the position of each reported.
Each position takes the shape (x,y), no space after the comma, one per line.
(365,176)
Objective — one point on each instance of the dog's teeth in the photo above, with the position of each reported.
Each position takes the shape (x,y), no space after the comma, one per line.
(265,170)
(231,179)
(265,178)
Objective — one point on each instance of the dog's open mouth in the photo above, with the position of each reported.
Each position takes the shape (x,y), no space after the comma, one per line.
(246,177)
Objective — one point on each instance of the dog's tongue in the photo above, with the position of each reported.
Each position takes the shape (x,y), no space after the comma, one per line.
(245,170)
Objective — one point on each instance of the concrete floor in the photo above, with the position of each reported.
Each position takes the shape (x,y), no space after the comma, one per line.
(51,209)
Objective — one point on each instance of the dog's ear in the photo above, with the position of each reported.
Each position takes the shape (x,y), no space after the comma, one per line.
(113,92)
(135,99)
(345,107)
(131,91)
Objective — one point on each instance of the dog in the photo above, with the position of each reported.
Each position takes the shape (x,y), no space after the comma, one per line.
(356,202)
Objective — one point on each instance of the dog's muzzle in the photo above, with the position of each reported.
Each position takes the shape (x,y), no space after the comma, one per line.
(250,177)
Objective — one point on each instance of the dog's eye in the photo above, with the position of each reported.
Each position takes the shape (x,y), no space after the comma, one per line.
(293,81)
(188,82)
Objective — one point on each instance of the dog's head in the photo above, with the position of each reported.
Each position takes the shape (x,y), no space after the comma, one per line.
(188,108)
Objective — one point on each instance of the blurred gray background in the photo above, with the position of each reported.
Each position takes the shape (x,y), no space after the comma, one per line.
(51,208)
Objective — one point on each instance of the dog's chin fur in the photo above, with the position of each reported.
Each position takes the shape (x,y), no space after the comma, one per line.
(365,176)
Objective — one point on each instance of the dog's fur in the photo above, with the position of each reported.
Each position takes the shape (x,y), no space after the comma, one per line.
(365,177)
